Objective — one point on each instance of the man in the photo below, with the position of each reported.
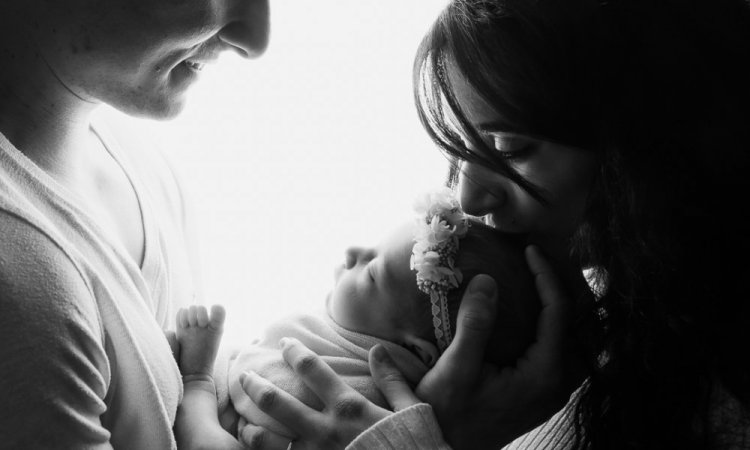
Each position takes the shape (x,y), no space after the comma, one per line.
(93,241)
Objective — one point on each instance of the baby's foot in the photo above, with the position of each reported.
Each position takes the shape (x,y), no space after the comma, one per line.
(199,336)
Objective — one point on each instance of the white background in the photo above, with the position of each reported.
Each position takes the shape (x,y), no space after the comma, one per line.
(291,158)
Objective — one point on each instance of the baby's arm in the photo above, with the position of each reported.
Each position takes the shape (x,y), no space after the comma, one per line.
(197,423)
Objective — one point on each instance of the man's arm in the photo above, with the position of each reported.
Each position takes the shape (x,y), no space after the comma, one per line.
(54,372)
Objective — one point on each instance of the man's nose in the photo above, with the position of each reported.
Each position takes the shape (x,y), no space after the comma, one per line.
(481,190)
(247,27)
(358,255)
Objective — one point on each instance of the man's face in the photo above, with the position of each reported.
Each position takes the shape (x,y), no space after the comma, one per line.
(140,56)
(376,291)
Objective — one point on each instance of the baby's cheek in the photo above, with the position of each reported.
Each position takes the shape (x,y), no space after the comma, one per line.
(348,309)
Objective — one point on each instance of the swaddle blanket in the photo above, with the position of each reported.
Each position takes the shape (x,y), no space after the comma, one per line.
(345,351)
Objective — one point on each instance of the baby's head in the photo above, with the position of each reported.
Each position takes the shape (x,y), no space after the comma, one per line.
(376,291)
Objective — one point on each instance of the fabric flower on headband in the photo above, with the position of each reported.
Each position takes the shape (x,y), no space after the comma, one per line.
(440,225)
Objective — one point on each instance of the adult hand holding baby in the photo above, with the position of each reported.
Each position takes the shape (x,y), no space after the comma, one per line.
(480,405)
(347,413)
(477,404)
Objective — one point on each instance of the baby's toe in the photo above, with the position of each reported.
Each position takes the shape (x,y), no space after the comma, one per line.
(193,315)
(182,318)
(202,316)
(218,314)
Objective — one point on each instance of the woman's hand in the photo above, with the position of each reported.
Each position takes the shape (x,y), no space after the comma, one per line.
(481,406)
(346,412)
(477,404)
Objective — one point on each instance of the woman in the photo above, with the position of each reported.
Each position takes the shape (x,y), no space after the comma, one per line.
(614,133)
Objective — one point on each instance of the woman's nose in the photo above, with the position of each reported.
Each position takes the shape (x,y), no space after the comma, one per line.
(480,190)
(247,27)
(358,255)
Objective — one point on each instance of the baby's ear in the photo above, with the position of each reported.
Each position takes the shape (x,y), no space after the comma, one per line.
(424,349)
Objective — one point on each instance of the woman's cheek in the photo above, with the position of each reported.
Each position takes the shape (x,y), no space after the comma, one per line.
(567,215)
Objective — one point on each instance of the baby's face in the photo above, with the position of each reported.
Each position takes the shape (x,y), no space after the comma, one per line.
(376,291)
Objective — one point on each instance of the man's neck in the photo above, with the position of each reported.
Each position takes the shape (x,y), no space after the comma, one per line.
(38,113)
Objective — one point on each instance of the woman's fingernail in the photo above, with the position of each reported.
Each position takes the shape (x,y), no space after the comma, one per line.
(482,284)
(243,375)
(533,249)
(380,354)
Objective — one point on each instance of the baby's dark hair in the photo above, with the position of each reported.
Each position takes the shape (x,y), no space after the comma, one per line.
(485,250)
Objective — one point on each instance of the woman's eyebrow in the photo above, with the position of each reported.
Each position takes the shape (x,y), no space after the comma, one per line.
(491,127)
(496,127)
(500,128)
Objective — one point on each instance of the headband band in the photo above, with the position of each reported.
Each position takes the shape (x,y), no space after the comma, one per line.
(440,225)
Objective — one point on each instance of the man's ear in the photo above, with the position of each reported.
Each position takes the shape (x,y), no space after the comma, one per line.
(424,349)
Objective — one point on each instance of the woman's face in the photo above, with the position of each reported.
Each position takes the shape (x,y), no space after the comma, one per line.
(140,56)
(563,173)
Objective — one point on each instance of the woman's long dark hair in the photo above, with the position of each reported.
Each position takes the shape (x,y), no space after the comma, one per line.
(661,90)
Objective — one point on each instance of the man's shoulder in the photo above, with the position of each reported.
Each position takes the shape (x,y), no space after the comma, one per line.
(53,362)
(37,276)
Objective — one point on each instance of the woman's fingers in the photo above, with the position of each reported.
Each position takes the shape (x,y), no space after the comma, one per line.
(279,404)
(554,316)
(346,412)
(476,319)
(556,355)
(459,368)
(315,373)
(258,438)
(475,323)
(389,380)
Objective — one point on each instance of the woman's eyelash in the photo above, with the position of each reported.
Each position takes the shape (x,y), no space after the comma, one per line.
(510,148)
(515,154)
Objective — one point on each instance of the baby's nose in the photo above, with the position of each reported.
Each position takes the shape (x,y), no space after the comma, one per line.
(357,255)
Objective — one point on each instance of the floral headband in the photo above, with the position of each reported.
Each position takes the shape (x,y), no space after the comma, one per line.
(440,224)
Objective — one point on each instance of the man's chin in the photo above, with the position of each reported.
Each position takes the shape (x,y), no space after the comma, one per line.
(161,109)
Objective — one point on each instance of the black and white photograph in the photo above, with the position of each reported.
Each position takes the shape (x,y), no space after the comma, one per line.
(374,224)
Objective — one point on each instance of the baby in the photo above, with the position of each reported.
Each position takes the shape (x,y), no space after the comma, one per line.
(403,294)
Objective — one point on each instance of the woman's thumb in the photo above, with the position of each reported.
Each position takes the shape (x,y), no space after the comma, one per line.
(389,380)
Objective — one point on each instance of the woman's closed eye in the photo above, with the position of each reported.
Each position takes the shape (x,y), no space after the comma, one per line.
(510,146)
